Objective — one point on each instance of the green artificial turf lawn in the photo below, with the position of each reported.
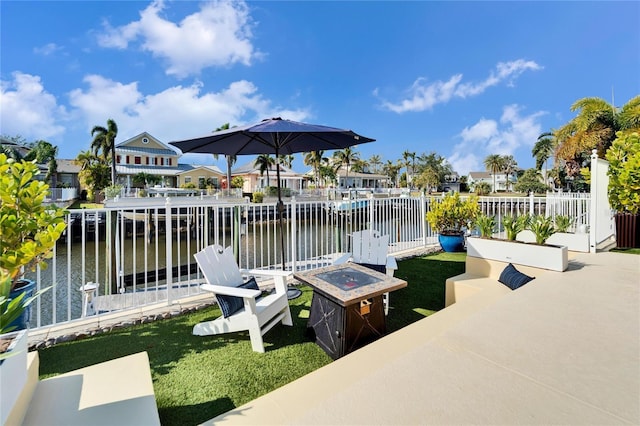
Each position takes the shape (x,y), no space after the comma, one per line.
(197,378)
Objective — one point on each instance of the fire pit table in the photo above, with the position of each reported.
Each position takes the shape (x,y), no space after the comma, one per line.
(347,310)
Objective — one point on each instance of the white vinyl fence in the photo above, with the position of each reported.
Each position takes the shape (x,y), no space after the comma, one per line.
(140,251)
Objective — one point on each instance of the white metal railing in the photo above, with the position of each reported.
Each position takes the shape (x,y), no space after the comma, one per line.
(140,250)
(61,194)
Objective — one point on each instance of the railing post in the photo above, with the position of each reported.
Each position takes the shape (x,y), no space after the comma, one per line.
(593,219)
(423,220)
(531,200)
(294,234)
(169,248)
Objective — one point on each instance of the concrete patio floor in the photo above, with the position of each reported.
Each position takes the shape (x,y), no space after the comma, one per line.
(564,349)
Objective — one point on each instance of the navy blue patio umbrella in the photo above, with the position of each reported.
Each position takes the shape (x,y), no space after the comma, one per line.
(275,136)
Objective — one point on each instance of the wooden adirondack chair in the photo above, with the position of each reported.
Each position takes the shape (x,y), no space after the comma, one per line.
(370,249)
(258,316)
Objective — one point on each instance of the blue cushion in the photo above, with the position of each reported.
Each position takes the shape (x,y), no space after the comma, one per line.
(379,268)
(229,305)
(513,278)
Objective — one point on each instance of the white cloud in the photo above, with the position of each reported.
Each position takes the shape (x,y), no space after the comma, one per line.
(423,96)
(487,136)
(465,162)
(217,35)
(483,129)
(27,109)
(175,113)
(47,49)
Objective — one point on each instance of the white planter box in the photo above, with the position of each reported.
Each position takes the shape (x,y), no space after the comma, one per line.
(13,373)
(574,242)
(550,257)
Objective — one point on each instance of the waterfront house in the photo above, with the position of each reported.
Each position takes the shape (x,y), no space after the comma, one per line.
(145,154)
(254,180)
(500,180)
(352,179)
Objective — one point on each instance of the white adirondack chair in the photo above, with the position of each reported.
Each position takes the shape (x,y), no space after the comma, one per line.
(222,274)
(368,247)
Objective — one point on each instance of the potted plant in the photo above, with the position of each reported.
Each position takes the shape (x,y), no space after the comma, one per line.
(624,187)
(525,244)
(575,241)
(450,216)
(29,230)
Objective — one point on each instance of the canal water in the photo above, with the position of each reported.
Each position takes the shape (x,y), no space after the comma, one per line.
(77,262)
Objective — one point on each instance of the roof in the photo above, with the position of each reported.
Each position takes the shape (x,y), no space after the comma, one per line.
(192,167)
(68,166)
(250,168)
(165,150)
(157,151)
(479,175)
(133,169)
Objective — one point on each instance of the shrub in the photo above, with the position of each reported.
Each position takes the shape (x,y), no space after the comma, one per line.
(624,173)
(29,230)
(563,223)
(486,225)
(542,226)
(515,224)
(257,197)
(451,214)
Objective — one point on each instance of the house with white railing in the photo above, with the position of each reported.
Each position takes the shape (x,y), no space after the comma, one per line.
(255,180)
(500,180)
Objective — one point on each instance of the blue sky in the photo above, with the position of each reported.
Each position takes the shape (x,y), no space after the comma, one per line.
(463,79)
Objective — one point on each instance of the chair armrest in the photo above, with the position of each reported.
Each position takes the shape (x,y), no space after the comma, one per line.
(267,272)
(342,259)
(392,265)
(279,277)
(231,291)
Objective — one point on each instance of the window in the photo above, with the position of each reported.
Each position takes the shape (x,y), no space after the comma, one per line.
(137,160)
(187,179)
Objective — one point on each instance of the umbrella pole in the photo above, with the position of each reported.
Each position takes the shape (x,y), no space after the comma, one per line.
(292,292)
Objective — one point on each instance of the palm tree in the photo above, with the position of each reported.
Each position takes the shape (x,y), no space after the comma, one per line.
(104,145)
(43,152)
(315,159)
(375,161)
(85,159)
(493,164)
(391,169)
(509,166)
(543,150)
(594,127)
(409,159)
(286,160)
(264,163)
(345,158)
(231,159)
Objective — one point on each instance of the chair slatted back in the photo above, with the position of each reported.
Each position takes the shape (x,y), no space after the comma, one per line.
(219,266)
(369,247)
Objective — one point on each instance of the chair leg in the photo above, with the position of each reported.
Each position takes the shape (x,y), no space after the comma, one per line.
(255,335)
(287,320)
(385,300)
